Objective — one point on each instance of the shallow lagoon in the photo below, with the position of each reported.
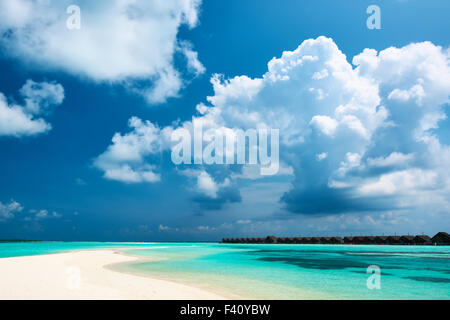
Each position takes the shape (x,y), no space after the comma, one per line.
(305,271)
(280,271)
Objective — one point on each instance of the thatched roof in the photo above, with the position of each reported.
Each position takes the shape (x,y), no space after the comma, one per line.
(348,239)
(325,239)
(315,239)
(336,240)
(407,239)
(302,240)
(422,239)
(298,239)
(359,239)
(441,238)
(394,239)
(381,239)
(282,240)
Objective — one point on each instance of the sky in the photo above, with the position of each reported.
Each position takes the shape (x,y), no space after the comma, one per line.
(87,112)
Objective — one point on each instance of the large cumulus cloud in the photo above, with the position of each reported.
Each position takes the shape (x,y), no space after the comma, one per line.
(355,137)
(131,42)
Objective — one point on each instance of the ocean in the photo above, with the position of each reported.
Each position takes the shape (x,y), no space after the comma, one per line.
(260,271)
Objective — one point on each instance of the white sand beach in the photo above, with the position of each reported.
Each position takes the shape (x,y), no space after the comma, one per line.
(84,275)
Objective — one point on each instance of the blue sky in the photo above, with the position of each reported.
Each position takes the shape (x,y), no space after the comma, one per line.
(393,179)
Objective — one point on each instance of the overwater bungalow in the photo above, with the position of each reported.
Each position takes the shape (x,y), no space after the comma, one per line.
(441,238)
(270,239)
(325,240)
(282,240)
(359,240)
(348,240)
(394,240)
(369,240)
(315,240)
(291,240)
(407,239)
(381,240)
(336,240)
(422,239)
(297,240)
(306,240)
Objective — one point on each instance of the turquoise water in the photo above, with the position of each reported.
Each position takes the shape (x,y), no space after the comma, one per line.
(18,249)
(283,271)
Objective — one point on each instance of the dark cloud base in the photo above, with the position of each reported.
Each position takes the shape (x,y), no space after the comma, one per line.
(325,200)
(224,195)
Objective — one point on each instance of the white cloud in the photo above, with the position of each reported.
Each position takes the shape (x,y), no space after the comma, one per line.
(243,221)
(42,214)
(8,210)
(324,124)
(120,41)
(166,228)
(394,159)
(416,92)
(207,185)
(400,182)
(356,113)
(375,144)
(321,156)
(320,74)
(125,159)
(193,64)
(22,120)
(206,228)
(39,97)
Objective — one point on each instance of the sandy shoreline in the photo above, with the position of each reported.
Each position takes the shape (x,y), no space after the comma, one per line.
(85,275)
